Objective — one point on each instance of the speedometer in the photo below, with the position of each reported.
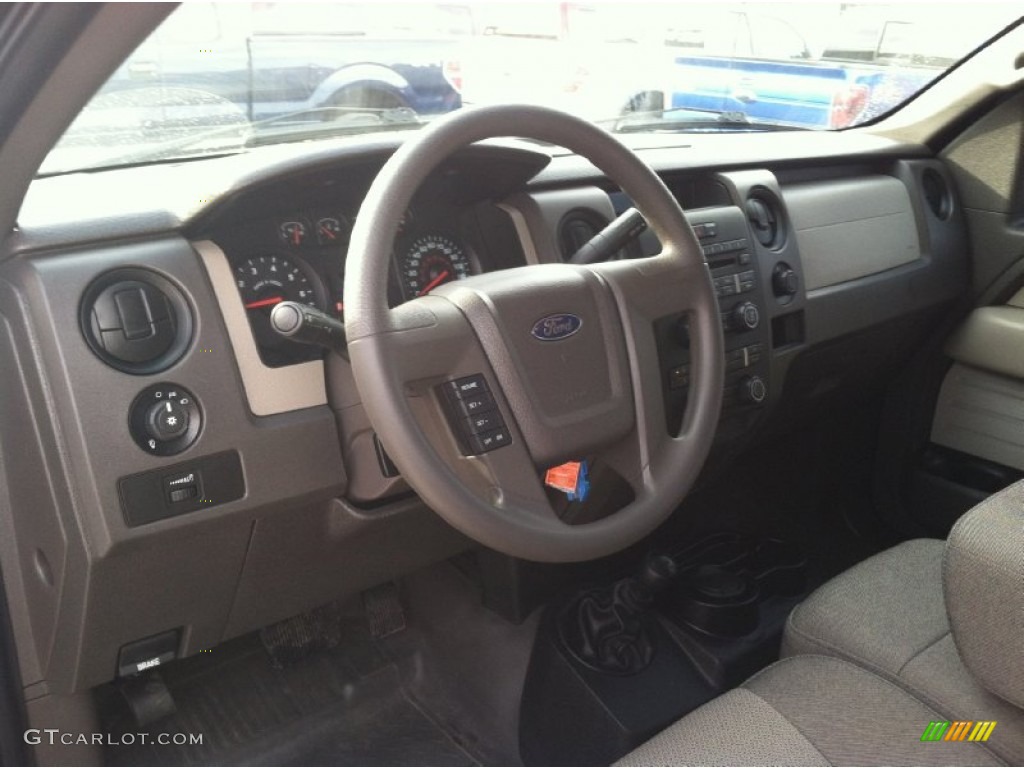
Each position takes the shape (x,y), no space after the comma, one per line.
(430,261)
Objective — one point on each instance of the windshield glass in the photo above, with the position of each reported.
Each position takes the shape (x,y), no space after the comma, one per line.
(218,78)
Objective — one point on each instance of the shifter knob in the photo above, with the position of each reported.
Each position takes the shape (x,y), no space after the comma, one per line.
(609,628)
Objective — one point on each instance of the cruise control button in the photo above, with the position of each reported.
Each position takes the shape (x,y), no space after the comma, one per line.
(489,441)
(471,406)
(466,387)
(483,422)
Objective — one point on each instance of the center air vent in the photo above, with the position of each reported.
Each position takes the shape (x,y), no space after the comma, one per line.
(577,228)
(765,216)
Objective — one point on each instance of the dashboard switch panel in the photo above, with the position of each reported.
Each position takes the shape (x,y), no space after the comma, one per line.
(187,487)
(164,419)
(473,415)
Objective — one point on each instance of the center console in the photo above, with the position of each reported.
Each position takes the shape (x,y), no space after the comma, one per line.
(615,663)
(730,255)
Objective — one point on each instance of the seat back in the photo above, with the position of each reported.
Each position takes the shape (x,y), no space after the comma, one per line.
(983,581)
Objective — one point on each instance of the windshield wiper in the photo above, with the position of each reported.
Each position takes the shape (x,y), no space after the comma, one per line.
(694,120)
(300,125)
(337,121)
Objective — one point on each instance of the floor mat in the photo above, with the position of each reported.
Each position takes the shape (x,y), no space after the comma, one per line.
(337,707)
(463,663)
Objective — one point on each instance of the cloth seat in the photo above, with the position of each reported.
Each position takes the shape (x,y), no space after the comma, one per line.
(809,710)
(919,633)
(888,615)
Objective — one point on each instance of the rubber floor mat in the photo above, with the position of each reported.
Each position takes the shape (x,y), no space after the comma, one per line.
(339,707)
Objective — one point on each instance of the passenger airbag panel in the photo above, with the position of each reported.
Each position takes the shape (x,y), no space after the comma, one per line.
(852,228)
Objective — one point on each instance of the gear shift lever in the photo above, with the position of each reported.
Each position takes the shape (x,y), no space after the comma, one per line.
(606,628)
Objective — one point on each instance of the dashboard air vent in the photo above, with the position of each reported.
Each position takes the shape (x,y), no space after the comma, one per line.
(936,193)
(765,216)
(577,228)
(136,321)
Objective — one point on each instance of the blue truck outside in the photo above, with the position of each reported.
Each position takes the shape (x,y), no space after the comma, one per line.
(800,94)
(762,68)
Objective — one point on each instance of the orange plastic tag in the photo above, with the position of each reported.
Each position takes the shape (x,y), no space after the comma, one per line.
(564,477)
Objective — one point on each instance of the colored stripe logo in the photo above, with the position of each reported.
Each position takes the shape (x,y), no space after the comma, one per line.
(958,730)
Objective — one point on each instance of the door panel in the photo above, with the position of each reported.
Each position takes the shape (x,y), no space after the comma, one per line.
(977,432)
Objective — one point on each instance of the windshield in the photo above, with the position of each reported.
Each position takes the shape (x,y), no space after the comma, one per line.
(219,78)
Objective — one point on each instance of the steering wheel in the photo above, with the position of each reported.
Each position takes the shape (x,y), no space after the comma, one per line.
(567,354)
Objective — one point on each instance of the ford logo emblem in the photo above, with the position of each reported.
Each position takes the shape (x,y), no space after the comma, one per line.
(555,327)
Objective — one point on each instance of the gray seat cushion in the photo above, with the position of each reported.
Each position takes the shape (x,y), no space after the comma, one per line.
(809,710)
(887,614)
(881,613)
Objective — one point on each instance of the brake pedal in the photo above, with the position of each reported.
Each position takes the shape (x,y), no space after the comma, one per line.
(384,612)
(148,697)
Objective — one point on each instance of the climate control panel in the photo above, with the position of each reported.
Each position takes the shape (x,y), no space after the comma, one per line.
(740,289)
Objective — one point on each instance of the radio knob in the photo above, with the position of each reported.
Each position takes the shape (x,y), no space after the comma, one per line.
(753,389)
(746,316)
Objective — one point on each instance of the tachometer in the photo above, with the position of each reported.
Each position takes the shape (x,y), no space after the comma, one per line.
(265,281)
(430,261)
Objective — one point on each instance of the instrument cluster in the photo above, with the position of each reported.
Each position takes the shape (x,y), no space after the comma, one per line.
(300,256)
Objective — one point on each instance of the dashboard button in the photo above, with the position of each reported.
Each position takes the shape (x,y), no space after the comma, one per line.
(183,494)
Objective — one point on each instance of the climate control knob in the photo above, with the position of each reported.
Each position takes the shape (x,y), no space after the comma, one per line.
(746,316)
(753,390)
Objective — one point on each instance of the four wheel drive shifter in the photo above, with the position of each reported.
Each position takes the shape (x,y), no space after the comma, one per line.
(606,628)
(309,325)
